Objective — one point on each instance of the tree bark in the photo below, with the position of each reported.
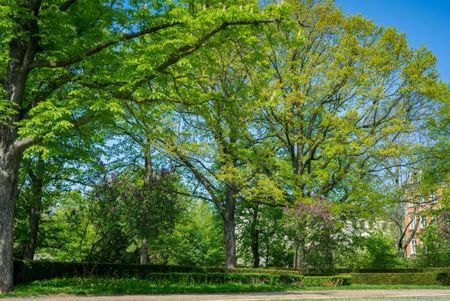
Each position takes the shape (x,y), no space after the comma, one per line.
(148,177)
(144,252)
(34,211)
(21,54)
(229,227)
(254,233)
(9,171)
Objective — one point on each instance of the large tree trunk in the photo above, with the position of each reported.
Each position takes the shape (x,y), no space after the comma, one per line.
(34,211)
(229,227)
(9,170)
(21,54)
(33,228)
(254,235)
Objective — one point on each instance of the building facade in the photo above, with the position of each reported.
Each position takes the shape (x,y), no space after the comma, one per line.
(417,208)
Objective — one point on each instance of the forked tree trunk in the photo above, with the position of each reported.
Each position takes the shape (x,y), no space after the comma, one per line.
(229,227)
(9,170)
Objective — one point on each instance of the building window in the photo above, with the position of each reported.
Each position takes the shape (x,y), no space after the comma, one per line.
(413,223)
(421,199)
(433,197)
(413,247)
(423,221)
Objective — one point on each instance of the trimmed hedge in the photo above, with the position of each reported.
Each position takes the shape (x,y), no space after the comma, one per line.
(443,278)
(37,270)
(220,278)
(327,281)
(429,278)
(373,270)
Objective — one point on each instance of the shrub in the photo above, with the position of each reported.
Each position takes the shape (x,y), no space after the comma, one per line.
(435,246)
(220,278)
(38,270)
(428,278)
(326,281)
(443,278)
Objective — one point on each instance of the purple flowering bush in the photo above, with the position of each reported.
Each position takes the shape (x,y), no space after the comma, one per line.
(312,231)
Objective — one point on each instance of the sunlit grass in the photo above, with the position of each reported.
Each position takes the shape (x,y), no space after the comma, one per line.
(133,286)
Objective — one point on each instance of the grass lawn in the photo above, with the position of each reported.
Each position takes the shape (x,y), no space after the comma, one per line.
(125,286)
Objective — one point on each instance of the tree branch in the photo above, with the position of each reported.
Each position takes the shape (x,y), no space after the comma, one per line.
(184,51)
(66,5)
(24,143)
(99,47)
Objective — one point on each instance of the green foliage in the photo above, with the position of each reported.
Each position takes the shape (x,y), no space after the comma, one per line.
(434,248)
(271,243)
(197,237)
(380,251)
(399,278)
(132,286)
(305,108)
(313,229)
(326,281)
(36,270)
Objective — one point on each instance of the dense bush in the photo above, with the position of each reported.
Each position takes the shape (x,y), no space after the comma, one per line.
(443,278)
(435,245)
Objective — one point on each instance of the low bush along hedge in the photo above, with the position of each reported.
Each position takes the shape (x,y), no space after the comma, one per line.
(429,278)
(30,271)
(328,281)
(220,278)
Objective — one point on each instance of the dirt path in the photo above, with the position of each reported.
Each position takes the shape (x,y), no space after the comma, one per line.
(440,294)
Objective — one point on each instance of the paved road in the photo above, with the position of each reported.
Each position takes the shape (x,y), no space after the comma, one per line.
(424,294)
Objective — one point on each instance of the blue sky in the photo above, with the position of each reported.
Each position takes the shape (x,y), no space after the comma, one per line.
(425,22)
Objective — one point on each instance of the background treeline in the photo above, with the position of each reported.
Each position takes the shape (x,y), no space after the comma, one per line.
(272,139)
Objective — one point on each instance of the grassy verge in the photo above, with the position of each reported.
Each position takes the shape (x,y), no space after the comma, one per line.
(124,286)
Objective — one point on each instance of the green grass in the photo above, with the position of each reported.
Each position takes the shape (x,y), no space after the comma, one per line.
(125,286)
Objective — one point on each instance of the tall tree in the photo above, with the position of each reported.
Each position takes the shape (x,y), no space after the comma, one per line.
(343,91)
(59,58)
(217,143)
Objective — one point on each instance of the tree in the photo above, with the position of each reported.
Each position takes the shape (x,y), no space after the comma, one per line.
(62,59)
(342,92)
(262,236)
(216,144)
(197,237)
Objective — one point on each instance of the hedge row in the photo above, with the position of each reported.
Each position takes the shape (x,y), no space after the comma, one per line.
(327,281)
(38,270)
(429,278)
(220,278)
(379,270)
